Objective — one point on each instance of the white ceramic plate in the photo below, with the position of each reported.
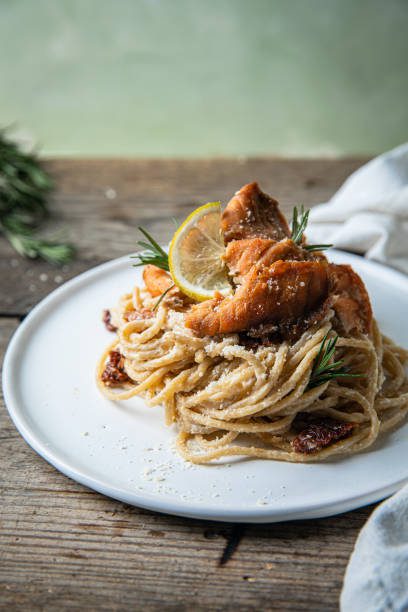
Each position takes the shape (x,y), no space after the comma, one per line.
(124,449)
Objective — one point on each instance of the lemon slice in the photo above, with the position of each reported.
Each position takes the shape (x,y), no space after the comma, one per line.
(195,254)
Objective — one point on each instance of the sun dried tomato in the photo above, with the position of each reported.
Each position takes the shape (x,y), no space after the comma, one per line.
(318,432)
(106,318)
(114,373)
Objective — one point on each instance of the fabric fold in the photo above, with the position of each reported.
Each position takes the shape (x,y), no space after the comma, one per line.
(369,213)
(376,578)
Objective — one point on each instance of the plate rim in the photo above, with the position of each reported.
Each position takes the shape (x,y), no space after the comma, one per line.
(265,514)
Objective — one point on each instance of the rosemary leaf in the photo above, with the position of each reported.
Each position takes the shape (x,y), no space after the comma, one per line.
(324,369)
(163,295)
(152,253)
(53,252)
(299,223)
(300,220)
(317,247)
(24,189)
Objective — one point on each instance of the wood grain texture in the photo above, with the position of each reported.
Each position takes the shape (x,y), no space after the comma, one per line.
(65,547)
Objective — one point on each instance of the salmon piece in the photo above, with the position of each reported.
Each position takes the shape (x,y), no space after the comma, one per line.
(241,255)
(350,300)
(281,286)
(285,291)
(253,214)
(157,281)
(256,232)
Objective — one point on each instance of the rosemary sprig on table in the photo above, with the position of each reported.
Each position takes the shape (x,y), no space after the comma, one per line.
(324,371)
(299,223)
(152,253)
(24,189)
(32,247)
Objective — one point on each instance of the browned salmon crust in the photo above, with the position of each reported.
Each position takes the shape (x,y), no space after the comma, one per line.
(286,290)
(251,213)
(241,255)
(157,281)
(281,286)
(350,300)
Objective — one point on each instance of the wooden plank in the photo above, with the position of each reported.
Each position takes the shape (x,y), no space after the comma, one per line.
(72,549)
(100,203)
(65,547)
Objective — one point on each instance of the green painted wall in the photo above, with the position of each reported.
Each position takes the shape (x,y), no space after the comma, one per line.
(209,77)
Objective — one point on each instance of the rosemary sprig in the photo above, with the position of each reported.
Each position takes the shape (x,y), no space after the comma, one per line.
(299,223)
(152,253)
(31,247)
(24,189)
(163,295)
(325,371)
(317,247)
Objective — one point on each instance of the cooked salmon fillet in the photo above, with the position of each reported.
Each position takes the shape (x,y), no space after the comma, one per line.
(256,232)
(157,281)
(241,255)
(277,281)
(284,291)
(350,300)
(251,213)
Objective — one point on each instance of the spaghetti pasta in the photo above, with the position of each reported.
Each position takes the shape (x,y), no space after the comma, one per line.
(229,399)
(288,363)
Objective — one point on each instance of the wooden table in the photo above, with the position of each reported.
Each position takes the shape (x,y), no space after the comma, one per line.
(63,546)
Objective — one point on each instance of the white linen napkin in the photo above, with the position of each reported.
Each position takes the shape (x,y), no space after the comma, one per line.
(376,578)
(369,213)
